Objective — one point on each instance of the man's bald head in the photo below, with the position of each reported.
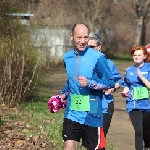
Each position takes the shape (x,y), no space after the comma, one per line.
(78,25)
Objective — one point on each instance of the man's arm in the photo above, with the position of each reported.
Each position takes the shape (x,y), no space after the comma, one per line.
(65,91)
(106,80)
(116,74)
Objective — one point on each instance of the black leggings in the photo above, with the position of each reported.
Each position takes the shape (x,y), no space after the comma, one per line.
(106,124)
(141,123)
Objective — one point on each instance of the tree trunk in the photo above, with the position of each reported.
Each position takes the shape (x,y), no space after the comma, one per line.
(139,31)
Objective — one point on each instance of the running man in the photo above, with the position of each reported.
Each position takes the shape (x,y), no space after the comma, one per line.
(83,118)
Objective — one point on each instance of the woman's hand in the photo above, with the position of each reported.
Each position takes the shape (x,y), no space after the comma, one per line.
(144,80)
(139,73)
(124,95)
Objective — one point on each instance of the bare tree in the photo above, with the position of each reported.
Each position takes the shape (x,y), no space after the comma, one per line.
(95,13)
(51,13)
(89,10)
(141,9)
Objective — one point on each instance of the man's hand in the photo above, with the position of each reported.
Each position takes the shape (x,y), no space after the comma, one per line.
(113,90)
(107,92)
(63,96)
(83,81)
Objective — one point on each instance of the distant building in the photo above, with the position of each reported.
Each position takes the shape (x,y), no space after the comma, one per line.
(52,42)
(24,18)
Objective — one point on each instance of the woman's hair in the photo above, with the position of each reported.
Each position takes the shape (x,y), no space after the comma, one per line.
(99,39)
(140,47)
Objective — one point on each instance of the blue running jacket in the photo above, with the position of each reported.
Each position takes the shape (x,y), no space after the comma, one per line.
(117,79)
(132,80)
(91,64)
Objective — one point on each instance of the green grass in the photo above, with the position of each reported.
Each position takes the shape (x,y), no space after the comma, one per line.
(48,124)
(117,59)
(42,121)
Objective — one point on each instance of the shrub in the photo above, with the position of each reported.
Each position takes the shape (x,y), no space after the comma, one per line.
(19,62)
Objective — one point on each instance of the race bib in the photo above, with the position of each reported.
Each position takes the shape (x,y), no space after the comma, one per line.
(80,102)
(140,93)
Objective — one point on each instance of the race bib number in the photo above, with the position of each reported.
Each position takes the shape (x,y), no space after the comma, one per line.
(80,102)
(140,93)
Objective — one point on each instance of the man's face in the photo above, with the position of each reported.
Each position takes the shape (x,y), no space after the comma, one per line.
(93,44)
(80,37)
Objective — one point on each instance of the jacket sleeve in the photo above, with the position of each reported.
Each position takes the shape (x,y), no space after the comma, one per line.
(126,82)
(117,76)
(105,78)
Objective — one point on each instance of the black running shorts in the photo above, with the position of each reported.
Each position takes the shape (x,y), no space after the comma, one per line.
(92,137)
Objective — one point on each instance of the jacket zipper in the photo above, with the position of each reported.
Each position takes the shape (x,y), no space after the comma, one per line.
(76,68)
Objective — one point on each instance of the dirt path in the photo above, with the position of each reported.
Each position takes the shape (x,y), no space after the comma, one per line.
(121,132)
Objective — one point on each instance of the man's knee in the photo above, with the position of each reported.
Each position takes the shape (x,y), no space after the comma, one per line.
(70,145)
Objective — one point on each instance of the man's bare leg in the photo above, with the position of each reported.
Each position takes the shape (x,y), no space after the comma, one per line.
(70,145)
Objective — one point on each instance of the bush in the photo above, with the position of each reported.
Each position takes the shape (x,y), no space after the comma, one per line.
(19,62)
